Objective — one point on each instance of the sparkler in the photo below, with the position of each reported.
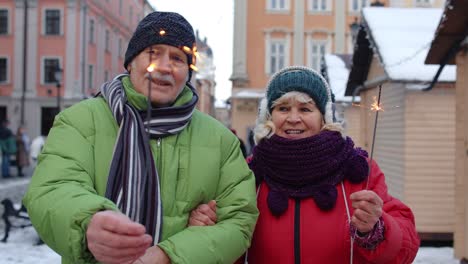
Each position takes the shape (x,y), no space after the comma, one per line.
(375,106)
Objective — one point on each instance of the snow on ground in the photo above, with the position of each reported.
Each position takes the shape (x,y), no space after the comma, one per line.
(21,248)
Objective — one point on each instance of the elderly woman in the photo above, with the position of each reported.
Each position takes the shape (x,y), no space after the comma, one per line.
(318,202)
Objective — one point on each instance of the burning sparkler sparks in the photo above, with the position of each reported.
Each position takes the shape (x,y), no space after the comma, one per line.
(151,68)
(377,108)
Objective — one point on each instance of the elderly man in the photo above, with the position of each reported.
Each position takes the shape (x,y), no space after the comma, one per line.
(120,173)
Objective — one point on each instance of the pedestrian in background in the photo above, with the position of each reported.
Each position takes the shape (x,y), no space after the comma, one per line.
(23,147)
(316,200)
(120,173)
(36,148)
(241,142)
(7,146)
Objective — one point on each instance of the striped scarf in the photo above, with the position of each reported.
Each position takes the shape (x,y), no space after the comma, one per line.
(133,182)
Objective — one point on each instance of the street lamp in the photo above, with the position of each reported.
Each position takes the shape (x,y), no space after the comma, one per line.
(58,80)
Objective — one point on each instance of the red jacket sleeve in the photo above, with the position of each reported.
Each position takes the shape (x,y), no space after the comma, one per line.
(401,241)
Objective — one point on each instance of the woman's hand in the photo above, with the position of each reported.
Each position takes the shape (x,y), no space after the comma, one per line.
(203,215)
(367,210)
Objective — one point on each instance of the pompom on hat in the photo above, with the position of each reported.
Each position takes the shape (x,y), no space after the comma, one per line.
(162,28)
(298,79)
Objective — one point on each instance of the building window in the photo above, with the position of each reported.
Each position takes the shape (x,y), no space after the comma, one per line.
(107,40)
(3,21)
(277,55)
(317,51)
(52,22)
(90,76)
(50,66)
(423,3)
(120,6)
(106,76)
(278,5)
(319,5)
(357,5)
(3,70)
(91,31)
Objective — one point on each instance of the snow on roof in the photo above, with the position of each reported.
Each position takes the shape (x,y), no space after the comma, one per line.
(246,94)
(338,77)
(403,37)
(220,104)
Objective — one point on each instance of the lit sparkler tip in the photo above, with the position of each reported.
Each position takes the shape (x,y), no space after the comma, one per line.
(193,67)
(375,106)
(162,32)
(187,49)
(151,67)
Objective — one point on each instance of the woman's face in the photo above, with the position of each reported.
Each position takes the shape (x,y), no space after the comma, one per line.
(296,120)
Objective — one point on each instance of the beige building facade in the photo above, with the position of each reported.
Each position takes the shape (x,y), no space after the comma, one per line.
(272,34)
(415,135)
(450,47)
(269,35)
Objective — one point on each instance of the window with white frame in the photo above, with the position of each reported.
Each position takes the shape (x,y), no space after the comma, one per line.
(317,50)
(319,5)
(107,40)
(277,55)
(278,5)
(90,76)
(50,66)
(357,5)
(52,22)
(91,31)
(4,21)
(3,70)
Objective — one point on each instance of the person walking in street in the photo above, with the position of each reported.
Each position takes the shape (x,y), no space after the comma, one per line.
(23,147)
(8,147)
(120,173)
(315,188)
(36,148)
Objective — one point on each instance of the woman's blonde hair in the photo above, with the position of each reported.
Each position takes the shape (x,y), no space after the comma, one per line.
(265,128)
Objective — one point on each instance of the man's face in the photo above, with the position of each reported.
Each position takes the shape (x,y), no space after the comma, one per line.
(168,78)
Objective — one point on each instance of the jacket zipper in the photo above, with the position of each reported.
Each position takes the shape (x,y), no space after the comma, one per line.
(159,158)
(297,232)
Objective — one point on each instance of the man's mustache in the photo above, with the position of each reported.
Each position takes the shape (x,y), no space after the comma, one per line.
(157,76)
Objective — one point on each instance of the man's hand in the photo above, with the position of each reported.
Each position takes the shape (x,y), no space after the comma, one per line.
(367,210)
(204,215)
(154,255)
(113,238)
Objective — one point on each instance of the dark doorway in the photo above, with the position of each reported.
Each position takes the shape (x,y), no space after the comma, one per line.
(47,119)
(3,113)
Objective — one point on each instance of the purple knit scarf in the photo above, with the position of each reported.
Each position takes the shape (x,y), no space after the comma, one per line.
(308,167)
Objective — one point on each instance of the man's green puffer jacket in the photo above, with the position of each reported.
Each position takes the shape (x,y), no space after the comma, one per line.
(202,163)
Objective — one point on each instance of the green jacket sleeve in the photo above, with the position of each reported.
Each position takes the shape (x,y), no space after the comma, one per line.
(237,214)
(61,197)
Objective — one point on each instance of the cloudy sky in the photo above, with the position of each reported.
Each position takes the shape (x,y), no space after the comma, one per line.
(214,20)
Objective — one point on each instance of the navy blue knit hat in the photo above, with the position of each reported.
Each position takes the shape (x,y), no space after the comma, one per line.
(162,28)
(301,79)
